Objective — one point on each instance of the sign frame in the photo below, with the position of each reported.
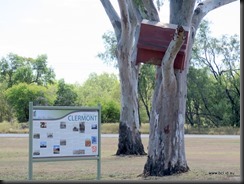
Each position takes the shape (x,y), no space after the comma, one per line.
(64,158)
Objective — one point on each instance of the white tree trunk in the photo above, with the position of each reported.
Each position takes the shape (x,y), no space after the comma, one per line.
(129,135)
(126,29)
(166,150)
(165,154)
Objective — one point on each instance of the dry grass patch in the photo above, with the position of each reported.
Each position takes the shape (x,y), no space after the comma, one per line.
(113,128)
(203,156)
(14,127)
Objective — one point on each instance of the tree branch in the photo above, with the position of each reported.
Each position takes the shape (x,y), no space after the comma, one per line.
(138,9)
(204,8)
(181,11)
(169,83)
(134,12)
(113,17)
(151,11)
(172,50)
(125,21)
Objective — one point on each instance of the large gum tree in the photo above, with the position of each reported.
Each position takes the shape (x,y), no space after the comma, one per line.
(166,149)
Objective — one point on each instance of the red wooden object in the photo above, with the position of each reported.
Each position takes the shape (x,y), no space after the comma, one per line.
(154,40)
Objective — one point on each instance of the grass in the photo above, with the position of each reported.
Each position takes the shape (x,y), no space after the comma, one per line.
(14,127)
(213,130)
(204,155)
(110,128)
(113,128)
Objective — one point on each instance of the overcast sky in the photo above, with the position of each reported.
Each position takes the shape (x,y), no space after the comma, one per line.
(70,32)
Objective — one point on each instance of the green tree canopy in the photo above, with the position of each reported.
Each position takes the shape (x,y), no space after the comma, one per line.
(66,95)
(16,69)
(146,86)
(21,94)
(110,44)
(101,89)
(214,83)
(6,112)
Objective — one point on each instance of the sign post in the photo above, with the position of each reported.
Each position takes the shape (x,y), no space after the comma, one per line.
(64,133)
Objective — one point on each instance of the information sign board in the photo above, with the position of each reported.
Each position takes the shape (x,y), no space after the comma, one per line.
(59,133)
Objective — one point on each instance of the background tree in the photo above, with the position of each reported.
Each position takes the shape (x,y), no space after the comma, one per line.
(146,84)
(204,100)
(6,112)
(217,91)
(66,96)
(16,69)
(22,80)
(110,43)
(110,111)
(21,94)
(101,89)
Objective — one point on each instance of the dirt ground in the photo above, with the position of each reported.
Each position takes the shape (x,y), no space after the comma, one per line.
(208,159)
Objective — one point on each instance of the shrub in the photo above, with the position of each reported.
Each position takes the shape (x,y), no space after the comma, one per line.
(20,95)
(110,112)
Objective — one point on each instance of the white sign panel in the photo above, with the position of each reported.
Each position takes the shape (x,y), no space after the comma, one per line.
(64,133)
